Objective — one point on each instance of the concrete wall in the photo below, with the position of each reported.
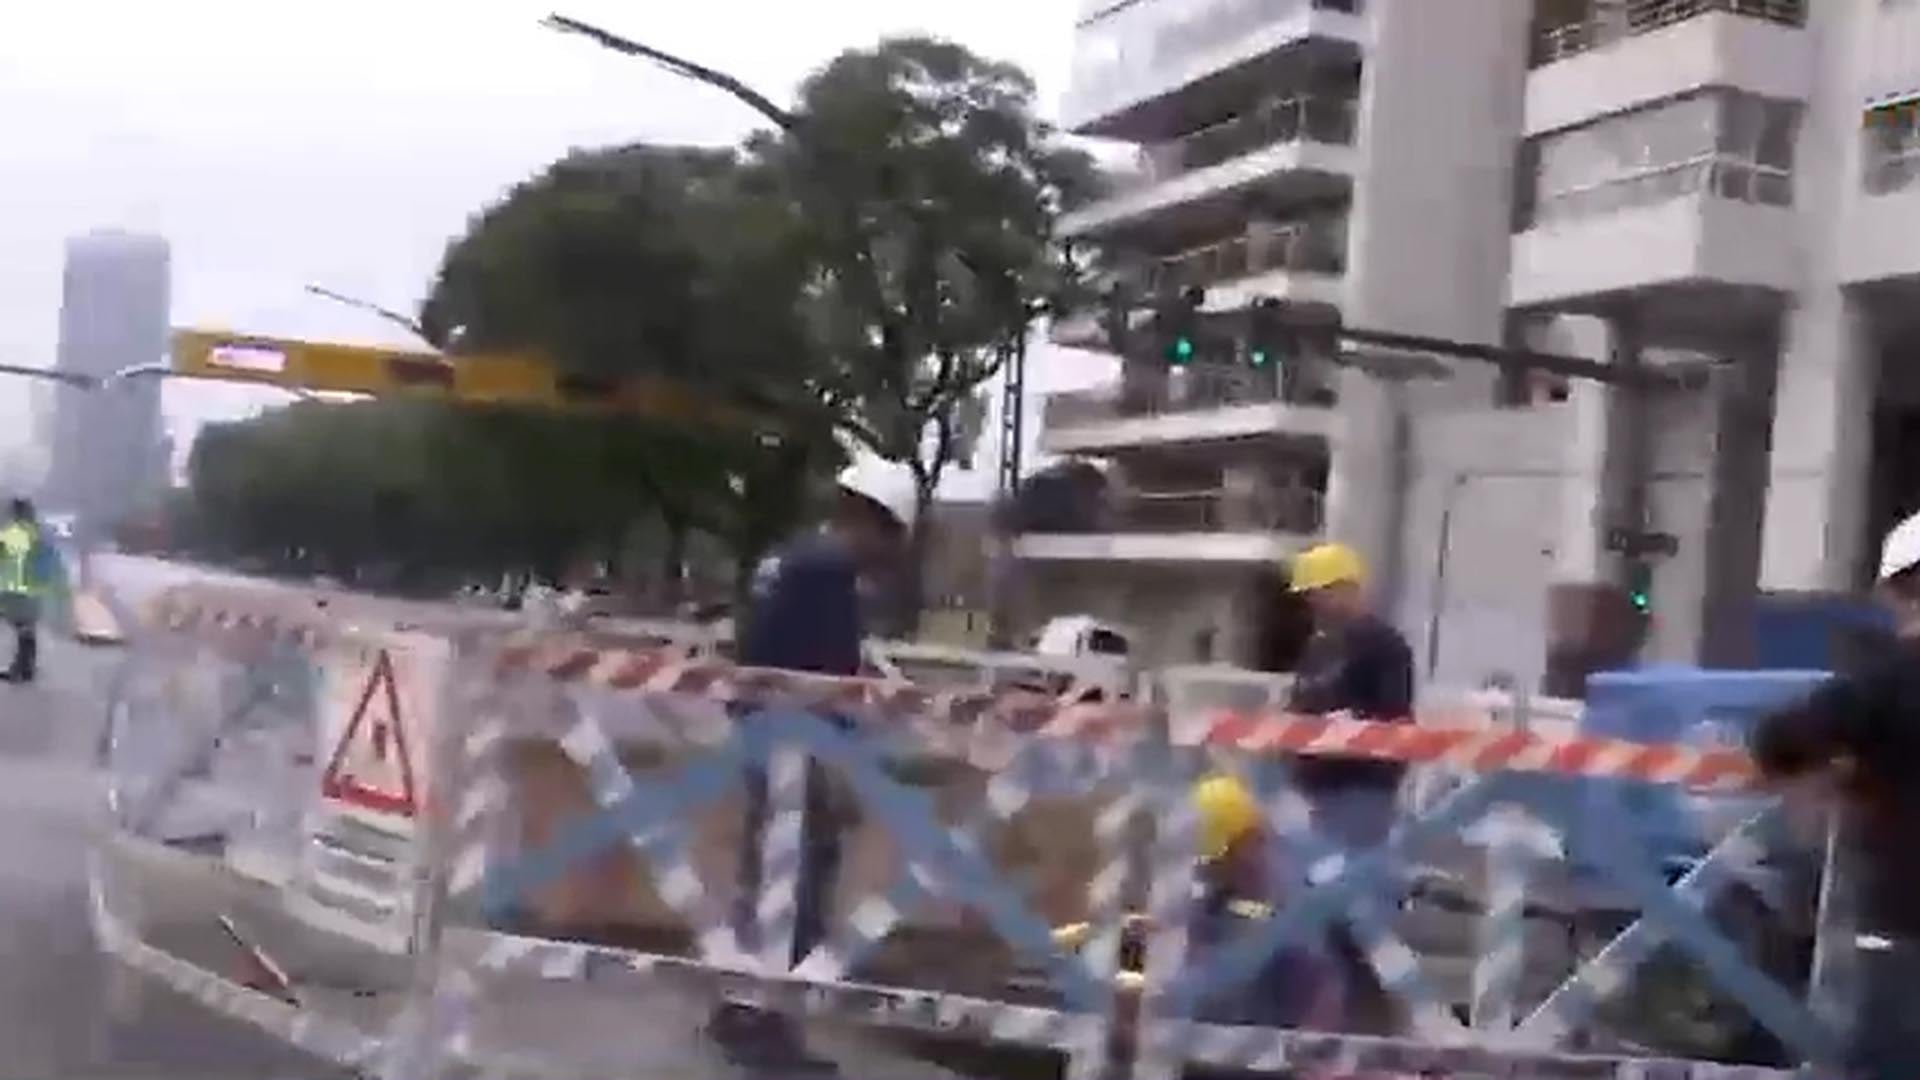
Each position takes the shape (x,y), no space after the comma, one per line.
(1698,238)
(1821,445)
(1486,504)
(1428,248)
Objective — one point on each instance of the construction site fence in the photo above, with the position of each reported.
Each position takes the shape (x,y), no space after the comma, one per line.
(425,851)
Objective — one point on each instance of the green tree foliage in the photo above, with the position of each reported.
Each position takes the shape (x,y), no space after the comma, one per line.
(930,190)
(413,494)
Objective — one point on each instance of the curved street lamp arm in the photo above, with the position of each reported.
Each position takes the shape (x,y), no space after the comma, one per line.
(412,326)
(680,66)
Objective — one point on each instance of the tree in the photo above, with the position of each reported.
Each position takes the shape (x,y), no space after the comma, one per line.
(932,191)
(688,264)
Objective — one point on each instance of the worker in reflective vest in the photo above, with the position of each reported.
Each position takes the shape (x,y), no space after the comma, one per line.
(21,588)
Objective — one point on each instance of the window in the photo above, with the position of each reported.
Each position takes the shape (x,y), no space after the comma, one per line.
(1891,157)
(1722,142)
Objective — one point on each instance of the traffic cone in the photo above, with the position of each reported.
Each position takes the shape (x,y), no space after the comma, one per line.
(93,620)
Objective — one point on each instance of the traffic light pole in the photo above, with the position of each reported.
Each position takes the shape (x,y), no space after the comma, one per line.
(1635,375)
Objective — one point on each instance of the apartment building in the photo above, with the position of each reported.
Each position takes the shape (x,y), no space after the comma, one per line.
(1729,187)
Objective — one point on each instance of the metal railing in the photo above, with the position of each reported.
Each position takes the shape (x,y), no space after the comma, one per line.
(1607,23)
(1193,390)
(1221,23)
(1320,119)
(1309,247)
(1724,177)
(1296,510)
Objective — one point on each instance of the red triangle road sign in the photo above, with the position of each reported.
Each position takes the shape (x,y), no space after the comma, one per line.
(372,767)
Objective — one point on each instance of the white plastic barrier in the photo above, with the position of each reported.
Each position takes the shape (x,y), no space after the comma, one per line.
(564,821)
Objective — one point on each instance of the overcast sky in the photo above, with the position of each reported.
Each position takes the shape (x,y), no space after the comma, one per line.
(344,143)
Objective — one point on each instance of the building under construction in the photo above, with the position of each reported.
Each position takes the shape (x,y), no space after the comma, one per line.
(1704,196)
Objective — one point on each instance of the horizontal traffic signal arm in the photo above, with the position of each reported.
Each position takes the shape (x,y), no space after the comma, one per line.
(1176,316)
(513,380)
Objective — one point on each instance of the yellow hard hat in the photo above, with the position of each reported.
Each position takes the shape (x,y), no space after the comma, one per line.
(1326,564)
(1227,812)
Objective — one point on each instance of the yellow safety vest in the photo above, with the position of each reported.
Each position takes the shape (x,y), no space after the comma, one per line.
(16,550)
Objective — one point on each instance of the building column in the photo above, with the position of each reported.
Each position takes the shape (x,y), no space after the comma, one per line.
(1819,474)
(1592,411)
(1590,624)
(1743,410)
(1366,483)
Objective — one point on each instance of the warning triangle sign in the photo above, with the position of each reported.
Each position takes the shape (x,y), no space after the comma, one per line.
(372,767)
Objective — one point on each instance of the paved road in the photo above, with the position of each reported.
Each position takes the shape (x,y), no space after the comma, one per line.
(54,988)
(66,1012)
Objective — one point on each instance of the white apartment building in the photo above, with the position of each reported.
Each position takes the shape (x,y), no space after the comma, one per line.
(1730,185)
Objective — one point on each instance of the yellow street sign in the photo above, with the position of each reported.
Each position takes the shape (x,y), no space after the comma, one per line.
(481,380)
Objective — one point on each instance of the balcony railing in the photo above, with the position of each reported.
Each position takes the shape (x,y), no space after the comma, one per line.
(1196,389)
(1721,176)
(1217,24)
(1308,247)
(1611,22)
(1297,510)
(1312,118)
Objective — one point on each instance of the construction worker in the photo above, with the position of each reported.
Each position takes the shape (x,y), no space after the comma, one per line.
(1297,987)
(1855,742)
(23,584)
(1355,663)
(807,614)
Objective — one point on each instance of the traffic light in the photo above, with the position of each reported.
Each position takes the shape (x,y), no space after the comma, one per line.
(1639,585)
(1177,326)
(1266,335)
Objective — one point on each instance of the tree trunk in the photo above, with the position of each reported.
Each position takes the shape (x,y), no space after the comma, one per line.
(910,598)
(673,566)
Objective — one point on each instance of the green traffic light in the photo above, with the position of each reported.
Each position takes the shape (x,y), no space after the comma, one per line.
(1641,601)
(1257,357)
(1182,349)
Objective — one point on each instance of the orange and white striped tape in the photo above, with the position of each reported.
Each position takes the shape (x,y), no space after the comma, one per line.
(1458,738)
(1475,749)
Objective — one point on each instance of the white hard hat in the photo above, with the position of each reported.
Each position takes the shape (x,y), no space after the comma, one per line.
(887,483)
(1901,551)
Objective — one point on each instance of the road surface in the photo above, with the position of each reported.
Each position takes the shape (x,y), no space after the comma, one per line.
(54,987)
(67,1012)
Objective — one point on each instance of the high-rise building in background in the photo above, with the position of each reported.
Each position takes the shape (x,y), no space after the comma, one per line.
(1637,182)
(110,454)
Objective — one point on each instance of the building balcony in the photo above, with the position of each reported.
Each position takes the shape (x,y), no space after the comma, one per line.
(1315,249)
(1139,68)
(1298,262)
(1649,51)
(1677,229)
(1295,148)
(1560,41)
(1189,526)
(1201,404)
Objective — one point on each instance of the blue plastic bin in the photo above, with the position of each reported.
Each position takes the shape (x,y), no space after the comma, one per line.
(1692,706)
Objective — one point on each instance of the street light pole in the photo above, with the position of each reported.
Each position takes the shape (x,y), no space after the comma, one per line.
(412,326)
